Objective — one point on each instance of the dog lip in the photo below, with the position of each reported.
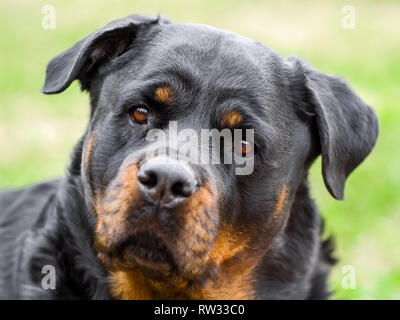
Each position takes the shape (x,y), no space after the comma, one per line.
(146,250)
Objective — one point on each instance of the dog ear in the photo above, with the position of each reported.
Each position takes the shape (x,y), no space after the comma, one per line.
(84,57)
(347,127)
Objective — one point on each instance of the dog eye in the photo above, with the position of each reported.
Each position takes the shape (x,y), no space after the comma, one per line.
(140,115)
(245,148)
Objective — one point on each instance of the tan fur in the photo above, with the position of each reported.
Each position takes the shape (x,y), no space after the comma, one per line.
(199,231)
(281,201)
(231,119)
(197,221)
(235,267)
(112,210)
(164,95)
(129,286)
(88,152)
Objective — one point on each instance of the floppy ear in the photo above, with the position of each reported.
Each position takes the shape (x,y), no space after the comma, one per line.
(84,57)
(347,127)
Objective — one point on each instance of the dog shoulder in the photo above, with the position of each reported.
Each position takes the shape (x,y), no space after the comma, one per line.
(27,201)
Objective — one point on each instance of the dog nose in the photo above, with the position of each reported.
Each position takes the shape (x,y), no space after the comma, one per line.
(166,180)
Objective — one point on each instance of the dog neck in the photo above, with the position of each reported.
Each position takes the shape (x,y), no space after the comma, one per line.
(233,281)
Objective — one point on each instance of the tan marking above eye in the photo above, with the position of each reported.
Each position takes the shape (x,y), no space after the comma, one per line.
(231,119)
(163,95)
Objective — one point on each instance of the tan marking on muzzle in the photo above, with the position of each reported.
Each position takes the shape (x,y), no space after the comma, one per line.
(198,226)
(228,251)
(198,233)
(113,209)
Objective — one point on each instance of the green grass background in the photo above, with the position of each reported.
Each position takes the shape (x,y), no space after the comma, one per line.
(37,132)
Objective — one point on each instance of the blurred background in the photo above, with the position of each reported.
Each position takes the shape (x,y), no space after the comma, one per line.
(37,132)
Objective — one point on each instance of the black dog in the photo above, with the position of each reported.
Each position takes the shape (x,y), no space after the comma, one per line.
(125,225)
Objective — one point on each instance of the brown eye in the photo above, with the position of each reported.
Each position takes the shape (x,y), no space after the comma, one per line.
(246,148)
(139,115)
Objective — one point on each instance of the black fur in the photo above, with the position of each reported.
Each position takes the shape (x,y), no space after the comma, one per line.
(297,112)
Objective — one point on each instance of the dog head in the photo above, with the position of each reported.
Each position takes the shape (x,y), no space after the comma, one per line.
(167,225)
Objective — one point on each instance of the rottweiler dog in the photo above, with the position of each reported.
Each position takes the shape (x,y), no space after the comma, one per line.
(123,224)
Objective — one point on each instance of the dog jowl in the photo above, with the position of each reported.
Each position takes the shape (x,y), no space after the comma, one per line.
(166,227)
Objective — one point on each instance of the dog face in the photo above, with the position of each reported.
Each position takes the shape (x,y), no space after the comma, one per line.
(169,226)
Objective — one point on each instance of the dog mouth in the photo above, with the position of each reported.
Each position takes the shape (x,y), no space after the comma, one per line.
(161,243)
(145,250)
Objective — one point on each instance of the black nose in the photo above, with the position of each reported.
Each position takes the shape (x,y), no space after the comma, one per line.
(166,180)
